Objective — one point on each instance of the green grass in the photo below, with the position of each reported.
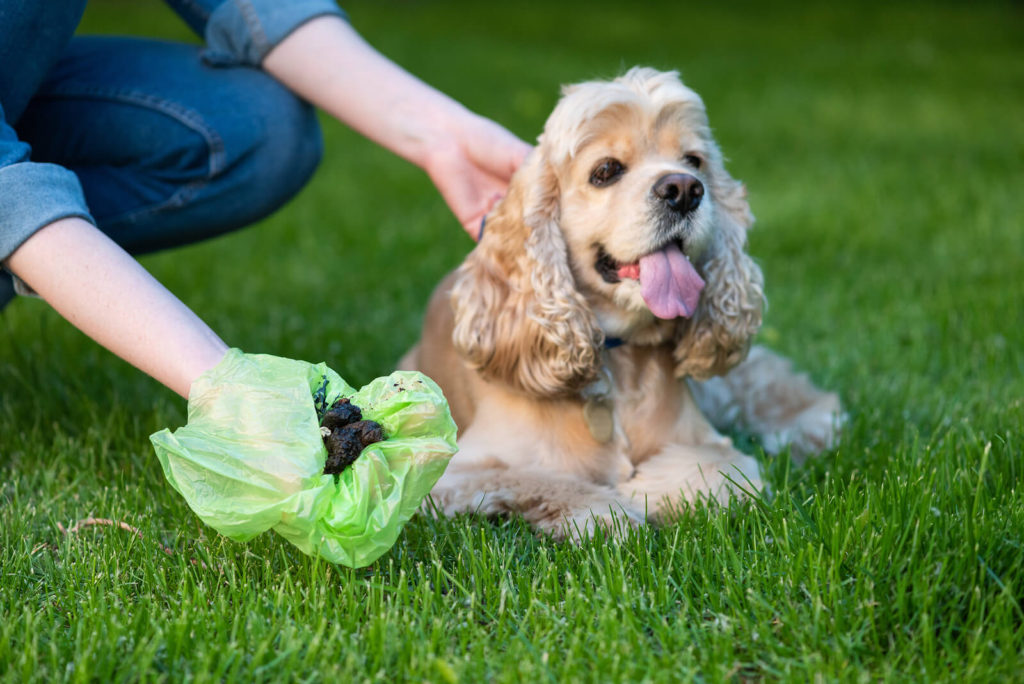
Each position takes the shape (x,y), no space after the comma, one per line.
(883,148)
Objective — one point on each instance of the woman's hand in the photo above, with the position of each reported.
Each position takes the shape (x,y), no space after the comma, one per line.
(473,168)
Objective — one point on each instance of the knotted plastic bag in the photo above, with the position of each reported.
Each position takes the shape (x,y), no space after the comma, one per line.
(251,457)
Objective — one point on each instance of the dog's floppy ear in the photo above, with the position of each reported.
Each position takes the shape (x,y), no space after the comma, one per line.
(719,334)
(518,317)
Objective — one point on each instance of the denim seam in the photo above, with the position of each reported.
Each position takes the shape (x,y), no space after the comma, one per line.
(197,8)
(252,20)
(189,118)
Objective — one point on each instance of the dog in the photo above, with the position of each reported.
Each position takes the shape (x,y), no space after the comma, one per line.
(593,344)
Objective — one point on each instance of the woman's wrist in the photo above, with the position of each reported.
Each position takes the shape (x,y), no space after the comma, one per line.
(430,129)
(444,138)
(468,157)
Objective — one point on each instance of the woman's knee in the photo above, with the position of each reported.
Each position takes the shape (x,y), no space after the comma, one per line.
(281,149)
(260,147)
(169,149)
(241,167)
(260,156)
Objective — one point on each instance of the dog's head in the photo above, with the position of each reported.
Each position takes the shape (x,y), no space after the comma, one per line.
(623,222)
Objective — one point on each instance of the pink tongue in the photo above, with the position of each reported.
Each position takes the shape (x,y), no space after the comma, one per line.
(669,283)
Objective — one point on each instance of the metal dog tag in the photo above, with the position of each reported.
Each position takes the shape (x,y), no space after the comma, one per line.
(597,412)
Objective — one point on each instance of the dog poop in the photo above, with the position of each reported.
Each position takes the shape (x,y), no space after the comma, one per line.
(367,431)
(346,434)
(341,413)
(343,448)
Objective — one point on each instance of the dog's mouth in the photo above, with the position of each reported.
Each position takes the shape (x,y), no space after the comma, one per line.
(669,283)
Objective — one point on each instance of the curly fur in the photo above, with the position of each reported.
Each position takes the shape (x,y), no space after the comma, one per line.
(719,335)
(519,318)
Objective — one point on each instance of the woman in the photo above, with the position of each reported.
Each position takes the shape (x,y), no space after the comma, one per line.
(111,146)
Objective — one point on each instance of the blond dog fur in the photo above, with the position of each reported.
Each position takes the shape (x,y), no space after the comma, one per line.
(515,336)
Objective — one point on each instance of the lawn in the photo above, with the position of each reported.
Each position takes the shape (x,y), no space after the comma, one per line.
(883,147)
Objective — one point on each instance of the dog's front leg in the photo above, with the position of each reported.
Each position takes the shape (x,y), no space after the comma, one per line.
(680,474)
(560,505)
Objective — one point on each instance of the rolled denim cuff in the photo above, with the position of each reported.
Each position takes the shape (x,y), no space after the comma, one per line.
(32,196)
(244,31)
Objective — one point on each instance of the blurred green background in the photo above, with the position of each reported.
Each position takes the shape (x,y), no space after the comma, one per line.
(881,144)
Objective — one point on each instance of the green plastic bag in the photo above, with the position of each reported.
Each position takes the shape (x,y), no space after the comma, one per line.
(251,457)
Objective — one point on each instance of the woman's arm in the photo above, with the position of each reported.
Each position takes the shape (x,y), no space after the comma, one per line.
(106,294)
(468,157)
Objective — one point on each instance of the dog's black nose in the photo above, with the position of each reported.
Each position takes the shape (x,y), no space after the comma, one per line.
(680,191)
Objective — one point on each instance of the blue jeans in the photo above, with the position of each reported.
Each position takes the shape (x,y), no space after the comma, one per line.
(168,149)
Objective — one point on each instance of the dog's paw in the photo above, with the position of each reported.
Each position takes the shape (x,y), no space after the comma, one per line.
(734,478)
(615,521)
(665,484)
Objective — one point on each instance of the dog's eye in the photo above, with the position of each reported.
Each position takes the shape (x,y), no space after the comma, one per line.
(606,172)
(693,160)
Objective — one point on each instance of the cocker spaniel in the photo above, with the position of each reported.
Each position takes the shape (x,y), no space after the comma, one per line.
(609,282)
